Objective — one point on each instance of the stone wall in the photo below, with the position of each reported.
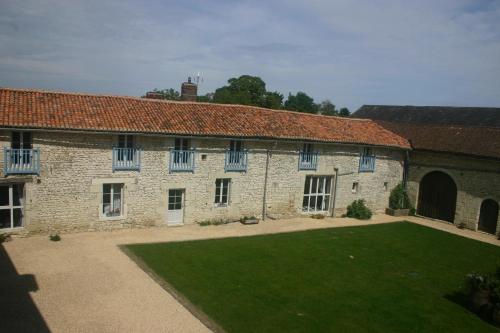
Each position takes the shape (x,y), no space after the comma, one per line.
(68,192)
(476,179)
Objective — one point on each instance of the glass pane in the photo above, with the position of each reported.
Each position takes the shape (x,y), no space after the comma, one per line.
(327,202)
(106,198)
(314,188)
(106,209)
(27,140)
(321,182)
(307,184)
(18,194)
(18,218)
(117,188)
(106,188)
(4,195)
(178,205)
(305,203)
(224,199)
(328,184)
(319,202)
(16,140)
(4,218)
(225,189)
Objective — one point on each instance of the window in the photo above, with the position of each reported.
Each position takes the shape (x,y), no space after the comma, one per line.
(11,206)
(126,145)
(355,187)
(112,200)
(386,186)
(175,199)
(125,141)
(182,144)
(367,151)
(222,191)
(308,148)
(21,140)
(367,160)
(317,194)
(236,145)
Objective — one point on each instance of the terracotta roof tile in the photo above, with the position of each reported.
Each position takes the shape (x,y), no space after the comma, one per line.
(74,111)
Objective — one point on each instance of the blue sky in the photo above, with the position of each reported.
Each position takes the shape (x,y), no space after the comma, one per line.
(441,52)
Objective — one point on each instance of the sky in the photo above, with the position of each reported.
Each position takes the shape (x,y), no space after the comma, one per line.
(426,52)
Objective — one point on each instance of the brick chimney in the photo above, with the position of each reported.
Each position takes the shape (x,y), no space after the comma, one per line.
(153,95)
(189,91)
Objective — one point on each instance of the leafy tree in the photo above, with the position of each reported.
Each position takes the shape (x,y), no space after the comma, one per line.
(170,94)
(246,90)
(272,100)
(327,108)
(301,103)
(344,112)
(207,98)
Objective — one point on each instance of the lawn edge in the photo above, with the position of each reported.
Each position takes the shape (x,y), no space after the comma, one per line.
(177,295)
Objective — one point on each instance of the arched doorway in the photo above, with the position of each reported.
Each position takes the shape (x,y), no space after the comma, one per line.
(488,216)
(437,196)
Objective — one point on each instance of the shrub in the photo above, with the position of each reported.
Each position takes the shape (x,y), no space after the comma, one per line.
(205,223)
(358,210)
(55,238)
(4,237)
(398,199)
(318,216)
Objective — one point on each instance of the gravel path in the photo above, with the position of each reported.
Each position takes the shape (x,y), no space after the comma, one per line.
(85,283)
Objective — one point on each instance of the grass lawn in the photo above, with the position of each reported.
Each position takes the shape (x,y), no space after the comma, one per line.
(383,278)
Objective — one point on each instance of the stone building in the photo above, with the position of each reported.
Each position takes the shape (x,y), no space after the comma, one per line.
(454,167)
(85,162)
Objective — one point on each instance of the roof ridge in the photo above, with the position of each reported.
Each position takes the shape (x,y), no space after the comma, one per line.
(178,102)
(430,106)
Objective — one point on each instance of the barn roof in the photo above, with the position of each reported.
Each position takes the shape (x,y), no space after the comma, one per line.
(461,130)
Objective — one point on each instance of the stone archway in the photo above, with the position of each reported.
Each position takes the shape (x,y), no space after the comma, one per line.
(437,197)
(488,216)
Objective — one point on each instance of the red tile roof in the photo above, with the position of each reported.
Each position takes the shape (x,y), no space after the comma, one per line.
(74,111)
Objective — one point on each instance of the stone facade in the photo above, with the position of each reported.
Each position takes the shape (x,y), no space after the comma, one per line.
(477,179)
(67,194)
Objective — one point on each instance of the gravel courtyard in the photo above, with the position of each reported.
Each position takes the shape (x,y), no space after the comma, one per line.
(85,283)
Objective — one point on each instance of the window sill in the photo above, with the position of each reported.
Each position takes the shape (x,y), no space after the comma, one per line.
(221,205)
(112,218)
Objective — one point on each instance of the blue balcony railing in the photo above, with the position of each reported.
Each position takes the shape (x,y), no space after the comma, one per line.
(308,160)
(21,161)
(181,160)
(235,161)
(367,163)
(126,159)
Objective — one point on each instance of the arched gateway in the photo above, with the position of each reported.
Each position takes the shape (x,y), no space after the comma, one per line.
(437,196)
(488,216)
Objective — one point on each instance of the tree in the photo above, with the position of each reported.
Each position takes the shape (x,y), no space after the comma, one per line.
(344,112)
(272,100)
(327,108)
(207,98)
(170,94)
(246,90)
(301,103)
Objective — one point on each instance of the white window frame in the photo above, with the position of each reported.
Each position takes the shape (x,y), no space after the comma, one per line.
(11,206)
(222,181)
(122,202)
(326,195)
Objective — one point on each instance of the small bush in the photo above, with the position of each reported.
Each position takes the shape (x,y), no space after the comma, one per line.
(461,225)
(55,238)
(4,238)
(398,198)
(358,210)
(205,223)
(318,216)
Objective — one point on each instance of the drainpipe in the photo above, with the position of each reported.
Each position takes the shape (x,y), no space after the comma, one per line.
(334,191)
(264,196)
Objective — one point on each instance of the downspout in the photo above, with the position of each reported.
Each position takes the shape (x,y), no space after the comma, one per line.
(334,191)
(264,196)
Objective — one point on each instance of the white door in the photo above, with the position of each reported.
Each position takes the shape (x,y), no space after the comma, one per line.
(175,210)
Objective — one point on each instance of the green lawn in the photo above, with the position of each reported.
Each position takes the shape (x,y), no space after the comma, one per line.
(383,278)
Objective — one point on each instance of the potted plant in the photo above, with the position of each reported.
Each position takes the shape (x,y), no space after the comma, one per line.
(249,220)
(399,203)
(479,291)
